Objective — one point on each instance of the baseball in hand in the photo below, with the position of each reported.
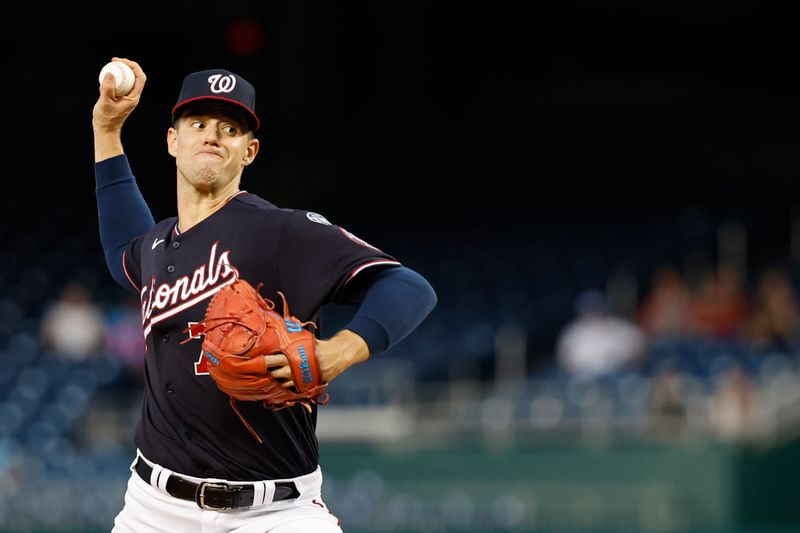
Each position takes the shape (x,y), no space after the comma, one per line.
(123,77)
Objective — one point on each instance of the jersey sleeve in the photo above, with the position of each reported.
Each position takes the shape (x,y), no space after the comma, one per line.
(132,264)
(122,212)
(316,258)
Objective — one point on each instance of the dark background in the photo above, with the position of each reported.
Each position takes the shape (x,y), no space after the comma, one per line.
(514,153)
(437,130)
(450,110)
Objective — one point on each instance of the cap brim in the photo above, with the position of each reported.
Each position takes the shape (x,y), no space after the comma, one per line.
(254,122)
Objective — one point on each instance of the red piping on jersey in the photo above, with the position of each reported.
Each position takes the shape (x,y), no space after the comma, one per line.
(127,274)
(357,240)
(367,265)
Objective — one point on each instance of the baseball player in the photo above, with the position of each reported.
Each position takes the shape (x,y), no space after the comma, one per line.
(197,467)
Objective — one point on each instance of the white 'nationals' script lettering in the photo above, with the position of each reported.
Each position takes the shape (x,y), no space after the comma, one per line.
(166,300)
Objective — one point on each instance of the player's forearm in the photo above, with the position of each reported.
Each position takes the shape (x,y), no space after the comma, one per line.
(107,143)
(339,353)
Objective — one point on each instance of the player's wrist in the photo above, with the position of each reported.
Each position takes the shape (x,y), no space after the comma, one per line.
(106,127)
(353,346)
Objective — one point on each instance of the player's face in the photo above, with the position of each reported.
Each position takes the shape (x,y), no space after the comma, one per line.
(211,150)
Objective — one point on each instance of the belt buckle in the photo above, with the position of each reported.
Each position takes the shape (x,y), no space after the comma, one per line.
(200,495)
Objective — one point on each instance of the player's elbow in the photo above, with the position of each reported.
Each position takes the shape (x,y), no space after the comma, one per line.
(425,294)
(115,268)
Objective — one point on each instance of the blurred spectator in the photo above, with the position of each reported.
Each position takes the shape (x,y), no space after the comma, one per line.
(734,410)
(596,343)
(123,338)
(665,311)
(719,308)
(73,325)
(668,408)
(775,320)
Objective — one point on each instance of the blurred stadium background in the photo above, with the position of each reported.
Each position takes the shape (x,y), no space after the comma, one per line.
(526,161)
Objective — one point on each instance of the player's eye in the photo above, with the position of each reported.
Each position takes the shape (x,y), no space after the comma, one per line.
(198,125)
(230,130)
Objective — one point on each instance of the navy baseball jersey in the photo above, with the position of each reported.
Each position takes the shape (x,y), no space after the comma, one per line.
(187,424)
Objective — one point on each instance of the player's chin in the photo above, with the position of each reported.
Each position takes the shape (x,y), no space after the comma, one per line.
(206,178)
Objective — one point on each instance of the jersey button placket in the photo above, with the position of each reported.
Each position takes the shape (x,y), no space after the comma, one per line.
(170,268)
(170,389)
(176,244)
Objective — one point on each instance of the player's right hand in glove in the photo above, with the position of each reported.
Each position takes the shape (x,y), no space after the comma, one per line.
(241,328)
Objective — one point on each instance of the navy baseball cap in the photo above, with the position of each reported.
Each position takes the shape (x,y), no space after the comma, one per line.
(222,86)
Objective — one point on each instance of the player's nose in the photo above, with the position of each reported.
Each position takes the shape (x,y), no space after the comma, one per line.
(211,136)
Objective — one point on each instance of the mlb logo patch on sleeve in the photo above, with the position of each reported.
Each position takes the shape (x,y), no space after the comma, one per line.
(319,219)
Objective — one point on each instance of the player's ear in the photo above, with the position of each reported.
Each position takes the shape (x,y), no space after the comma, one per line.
(172,141)
(252,150)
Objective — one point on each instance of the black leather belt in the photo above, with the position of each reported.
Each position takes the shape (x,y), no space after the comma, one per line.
(212,495)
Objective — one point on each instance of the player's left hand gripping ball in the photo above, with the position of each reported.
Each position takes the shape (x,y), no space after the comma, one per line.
(240,328)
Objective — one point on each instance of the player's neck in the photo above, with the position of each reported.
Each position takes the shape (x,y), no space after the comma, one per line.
(195,206)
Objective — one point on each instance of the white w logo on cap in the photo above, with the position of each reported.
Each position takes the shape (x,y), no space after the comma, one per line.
(222,84)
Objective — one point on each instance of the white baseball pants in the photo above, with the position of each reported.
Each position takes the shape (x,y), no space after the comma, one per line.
(149,509)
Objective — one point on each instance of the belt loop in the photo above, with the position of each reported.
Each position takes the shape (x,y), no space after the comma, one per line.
(269,491)
(163,478)
(259,491)
(156,472)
